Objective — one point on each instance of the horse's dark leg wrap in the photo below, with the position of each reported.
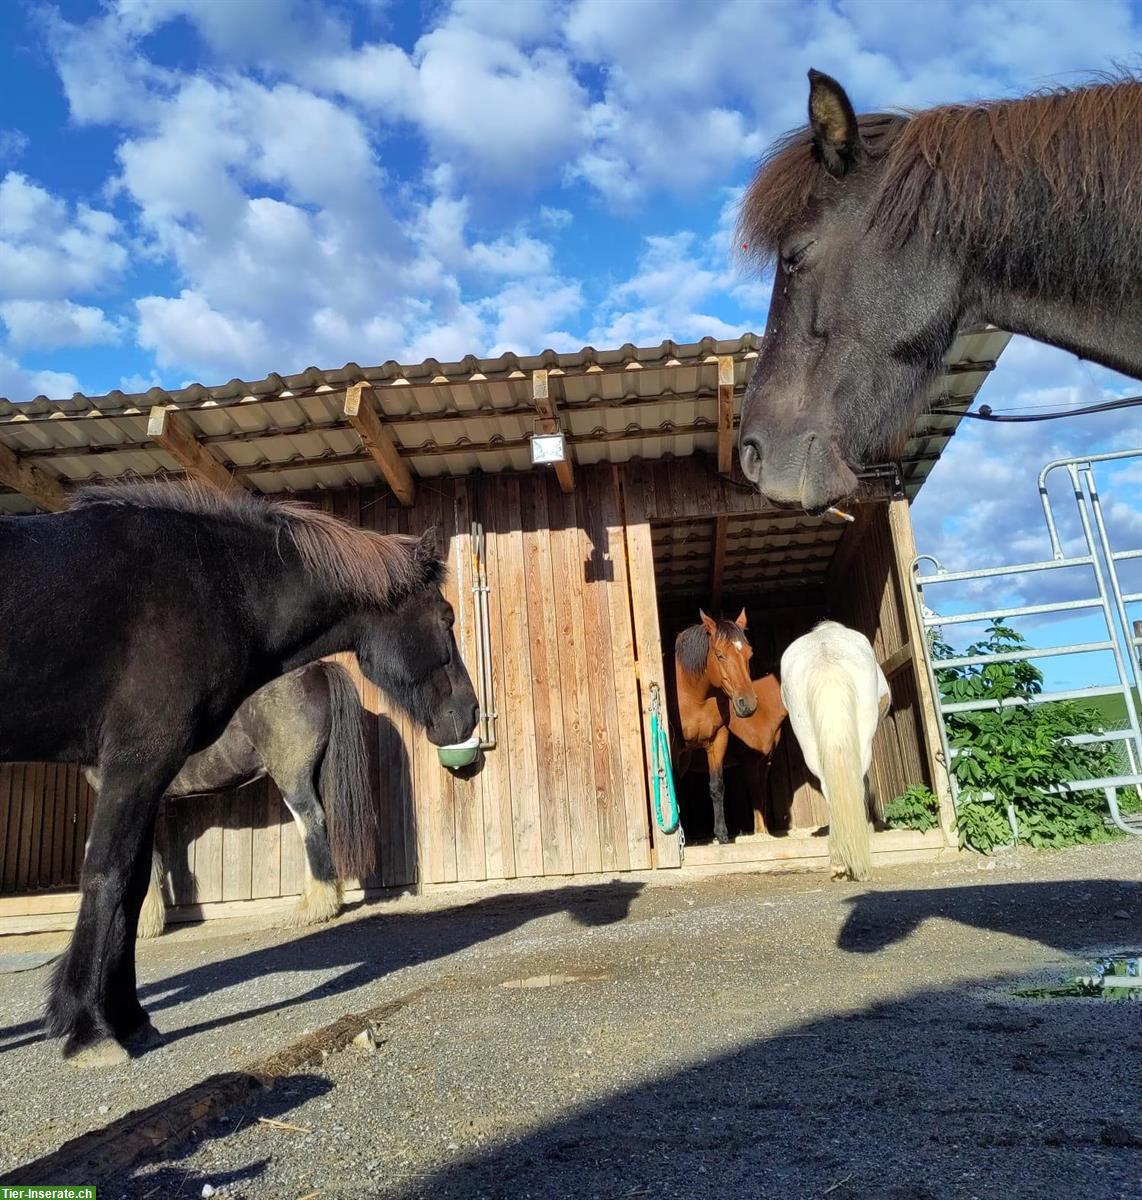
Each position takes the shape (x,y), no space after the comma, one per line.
(718,799)
(761,794)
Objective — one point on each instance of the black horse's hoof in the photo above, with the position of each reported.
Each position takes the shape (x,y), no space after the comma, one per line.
(723,838)
(143,1037)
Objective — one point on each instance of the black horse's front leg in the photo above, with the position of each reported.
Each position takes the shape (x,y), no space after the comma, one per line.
(93,1004)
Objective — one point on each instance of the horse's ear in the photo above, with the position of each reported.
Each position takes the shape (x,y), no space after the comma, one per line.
(836,134)
(709,622)
(427,546)
(741,622)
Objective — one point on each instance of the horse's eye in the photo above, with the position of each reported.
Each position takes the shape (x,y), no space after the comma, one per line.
(792,260)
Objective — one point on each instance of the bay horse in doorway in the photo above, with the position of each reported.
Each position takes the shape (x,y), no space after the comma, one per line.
(890,232)
(715,697)
(307,732)
(837,695)
(135,624)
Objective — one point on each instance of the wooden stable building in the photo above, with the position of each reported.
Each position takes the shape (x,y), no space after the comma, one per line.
(569,583)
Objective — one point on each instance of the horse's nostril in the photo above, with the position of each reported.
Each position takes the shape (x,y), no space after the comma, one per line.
(751,459)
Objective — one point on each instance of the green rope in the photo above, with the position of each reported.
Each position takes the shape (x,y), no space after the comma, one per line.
(660,767)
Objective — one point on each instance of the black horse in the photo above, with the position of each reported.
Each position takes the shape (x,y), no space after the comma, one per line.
(135,624)
(306,731)
(892,232)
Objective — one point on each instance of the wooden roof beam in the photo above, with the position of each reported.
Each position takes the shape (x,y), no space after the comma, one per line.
(725,414)
(549,422)
(32,483)
(173,432)
(379,442)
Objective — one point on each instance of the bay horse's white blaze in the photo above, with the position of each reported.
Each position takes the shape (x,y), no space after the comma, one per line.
(836,695)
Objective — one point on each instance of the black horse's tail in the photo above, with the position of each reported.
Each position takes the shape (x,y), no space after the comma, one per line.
(351,818)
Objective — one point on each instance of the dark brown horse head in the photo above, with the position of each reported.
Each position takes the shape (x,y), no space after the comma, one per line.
(888,233)
(853,331)
(727,662)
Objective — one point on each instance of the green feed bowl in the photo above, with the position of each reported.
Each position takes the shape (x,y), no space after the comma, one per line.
(459,754)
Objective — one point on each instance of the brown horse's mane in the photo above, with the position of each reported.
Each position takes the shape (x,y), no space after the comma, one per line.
(692,646)
(367,567)
(984,178)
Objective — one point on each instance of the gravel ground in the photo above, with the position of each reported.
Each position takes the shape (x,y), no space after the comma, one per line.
(734,1036)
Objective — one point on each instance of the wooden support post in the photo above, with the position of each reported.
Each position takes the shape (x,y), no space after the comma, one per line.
(721,525)
(903,551)
(549,422)
(725,414)
(30,481)
(172,431)
(379,442)
(647,636)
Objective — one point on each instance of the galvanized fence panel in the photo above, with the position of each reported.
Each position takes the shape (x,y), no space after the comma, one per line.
(1123,640)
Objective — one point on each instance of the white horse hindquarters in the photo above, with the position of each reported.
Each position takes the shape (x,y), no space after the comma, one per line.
(831,685)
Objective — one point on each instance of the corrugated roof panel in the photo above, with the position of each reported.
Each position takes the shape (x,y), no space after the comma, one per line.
(447,418)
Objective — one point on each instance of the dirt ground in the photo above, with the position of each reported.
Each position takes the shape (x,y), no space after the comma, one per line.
(731,1036)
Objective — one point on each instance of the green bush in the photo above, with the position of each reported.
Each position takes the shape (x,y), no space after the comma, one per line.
(1017,755)
(917,808)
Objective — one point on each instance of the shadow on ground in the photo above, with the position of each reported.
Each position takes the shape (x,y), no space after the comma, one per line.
(362,951)
(963,1092)
(130,1142)
(945,1095)
(1053,914)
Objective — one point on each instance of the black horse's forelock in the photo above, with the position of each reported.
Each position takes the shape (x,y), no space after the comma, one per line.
(1038,191)
(692,646)
(367,567)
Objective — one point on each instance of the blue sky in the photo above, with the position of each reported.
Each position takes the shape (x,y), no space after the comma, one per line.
(200,189)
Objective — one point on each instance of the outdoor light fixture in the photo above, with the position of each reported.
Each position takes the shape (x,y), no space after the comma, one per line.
(548,448)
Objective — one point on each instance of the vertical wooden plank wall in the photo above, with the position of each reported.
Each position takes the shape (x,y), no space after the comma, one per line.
(45,813)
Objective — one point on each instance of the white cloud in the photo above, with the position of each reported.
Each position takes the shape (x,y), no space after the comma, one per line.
(555,218)
(499,112)
(19,383)
(511,256)
(13,143)
(47,324)
(133,384)
(526,319)
(664,299)
(185,329)
(278,33)
(51,249)
(103,78)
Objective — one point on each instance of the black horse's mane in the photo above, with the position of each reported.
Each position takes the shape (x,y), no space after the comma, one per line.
(692,645)
(367,567)
(1041,190)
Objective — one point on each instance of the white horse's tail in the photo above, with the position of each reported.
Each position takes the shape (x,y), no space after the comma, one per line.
(153,916)
(832,704)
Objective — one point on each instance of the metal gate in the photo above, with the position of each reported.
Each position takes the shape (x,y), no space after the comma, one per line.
(1123,640)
